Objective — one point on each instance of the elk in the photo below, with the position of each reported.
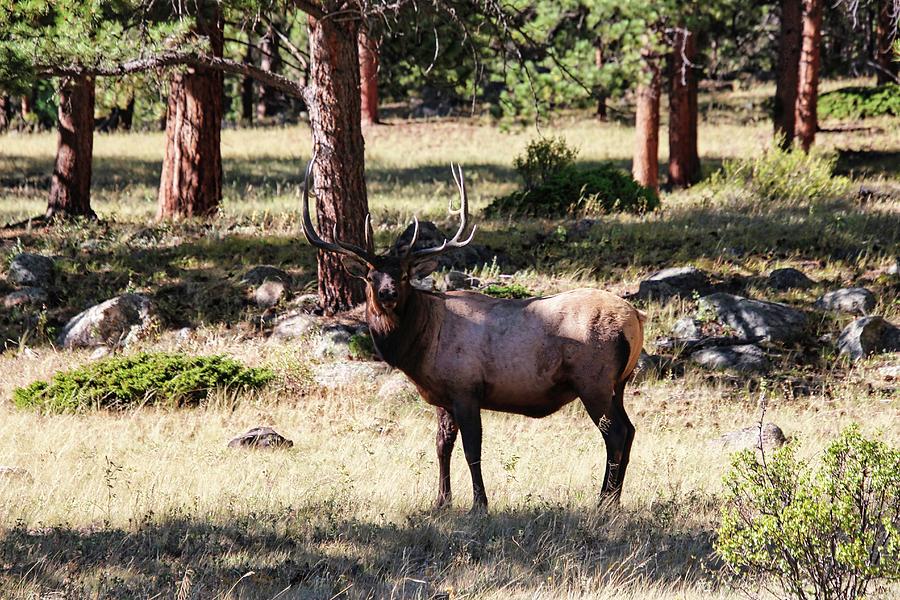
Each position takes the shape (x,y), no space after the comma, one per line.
(466,352)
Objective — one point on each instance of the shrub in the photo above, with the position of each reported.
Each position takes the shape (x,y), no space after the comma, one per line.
(361,346)
(785,175)
(122,382)
(576,192)
(861,102)
(513,290)
(825,533)
(544,158)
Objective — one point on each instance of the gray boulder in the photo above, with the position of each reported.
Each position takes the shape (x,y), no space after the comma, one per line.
(27,296)
(118,321)
(397,386)
(848,300)
(455,280)
(869,335)
(262,273)
(687,328)
(649,366)
(675,281)
(32,270)
(269,293)
(261,437)
(749,438)
(747,358)
(295,326)
(788,279)
(754,318)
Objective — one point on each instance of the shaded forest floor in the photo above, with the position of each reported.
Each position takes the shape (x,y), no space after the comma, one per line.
(150,502)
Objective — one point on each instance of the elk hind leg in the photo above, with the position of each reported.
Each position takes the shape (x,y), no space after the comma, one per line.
(446,438)
(608,414)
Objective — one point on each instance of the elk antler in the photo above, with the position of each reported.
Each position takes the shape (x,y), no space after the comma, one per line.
(338,246)
(463,211)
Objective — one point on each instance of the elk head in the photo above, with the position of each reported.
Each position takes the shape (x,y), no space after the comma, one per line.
(387,277)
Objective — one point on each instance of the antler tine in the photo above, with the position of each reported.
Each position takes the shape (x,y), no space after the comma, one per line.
(463,211)
(310,233)
(370,234)
(415,237)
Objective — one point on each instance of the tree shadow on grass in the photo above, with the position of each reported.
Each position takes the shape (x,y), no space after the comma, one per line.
(316,553)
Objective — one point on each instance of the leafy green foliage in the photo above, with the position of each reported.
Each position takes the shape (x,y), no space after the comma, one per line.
(512,290)
(542,158)
(828,532)
(778,174)
(861,102)
(578,191)
(154,378)
(361,346)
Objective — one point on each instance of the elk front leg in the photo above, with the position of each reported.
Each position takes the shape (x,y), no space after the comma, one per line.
(468,418)
(446,438)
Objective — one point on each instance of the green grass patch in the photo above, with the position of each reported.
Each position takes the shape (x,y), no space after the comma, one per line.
(513,290)
(146,378)
(861,102)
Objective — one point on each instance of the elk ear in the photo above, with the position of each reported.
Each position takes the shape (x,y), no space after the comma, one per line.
(423,269)
(355,266)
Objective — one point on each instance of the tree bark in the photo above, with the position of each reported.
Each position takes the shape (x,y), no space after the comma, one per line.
(70,188)
(601,97)
(646,151)
(805,119)
(684,160)
(334,114)
(191,182)
(270,60)
(128,113)
(247,84)
(368,76)
(884,37)
(788,71)
(4,117)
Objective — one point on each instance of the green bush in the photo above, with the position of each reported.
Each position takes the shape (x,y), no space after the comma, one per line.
(123,382)
(361,346)
(779,174)
(575,192)
(822,533)
(543,158)
(513,290)
(861,102)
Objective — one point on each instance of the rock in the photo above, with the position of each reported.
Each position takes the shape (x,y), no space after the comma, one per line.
(455,280)
(890,372)
(425,284)
(687,328)
(752,318)
(430,236)
(747,358)
(99,353)
(27,296)
(648,367)
(341,374)
(675,281)
(261,437)
(894,268)
(269,293)
(118,321)
(397,386)
(334,342)
(32,270)
(788,279)
(295,326)
(749,438)
(869,335)
(262,273)
(848,300)
(16,473)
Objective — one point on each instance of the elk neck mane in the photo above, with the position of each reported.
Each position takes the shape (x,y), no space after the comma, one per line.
(402,337)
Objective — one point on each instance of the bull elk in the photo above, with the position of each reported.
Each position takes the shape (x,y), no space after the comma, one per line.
(466,352)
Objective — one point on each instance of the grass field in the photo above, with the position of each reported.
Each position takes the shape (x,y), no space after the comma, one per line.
(149,503)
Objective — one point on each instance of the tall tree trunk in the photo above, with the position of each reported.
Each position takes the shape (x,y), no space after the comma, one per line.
(128,113)
(26,106)
(334,114)
(805,120)
(885,33)
(247,89)
(684,160)
(70,188)
(270,60)
(788,71)
(368,76)
(646,150)
(4,116)
(601,97)
(191,182)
